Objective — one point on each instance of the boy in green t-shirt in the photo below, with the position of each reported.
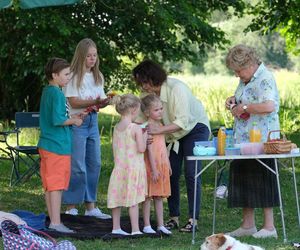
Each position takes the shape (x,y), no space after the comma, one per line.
(55,140)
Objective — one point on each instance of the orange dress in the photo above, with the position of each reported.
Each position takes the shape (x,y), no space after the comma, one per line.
(162,186)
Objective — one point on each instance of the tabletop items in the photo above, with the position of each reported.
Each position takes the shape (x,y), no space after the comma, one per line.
(224,144)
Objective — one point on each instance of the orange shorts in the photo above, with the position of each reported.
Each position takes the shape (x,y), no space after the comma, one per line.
(55,170)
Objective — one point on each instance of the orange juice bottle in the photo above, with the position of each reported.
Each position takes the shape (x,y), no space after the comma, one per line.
(221,141)
(255,134)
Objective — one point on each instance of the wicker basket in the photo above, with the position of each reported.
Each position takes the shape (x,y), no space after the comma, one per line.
(280,146)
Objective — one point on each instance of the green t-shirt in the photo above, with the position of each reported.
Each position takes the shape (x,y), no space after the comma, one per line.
(55,137)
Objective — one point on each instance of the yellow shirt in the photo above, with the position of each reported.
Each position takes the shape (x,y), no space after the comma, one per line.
(182,108)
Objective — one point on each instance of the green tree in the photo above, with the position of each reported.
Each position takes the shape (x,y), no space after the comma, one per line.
(125,32)
(278,15)
(270,47)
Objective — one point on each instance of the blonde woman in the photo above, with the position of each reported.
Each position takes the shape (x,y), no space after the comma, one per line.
(251,185)
(85,93)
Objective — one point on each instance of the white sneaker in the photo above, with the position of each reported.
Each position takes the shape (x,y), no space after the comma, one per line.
(119,231)
(221,192)
(61,228)
(164,230)
(137,233)
(243,232)
(96,212)
(72,211)
(263,233)
(148,230)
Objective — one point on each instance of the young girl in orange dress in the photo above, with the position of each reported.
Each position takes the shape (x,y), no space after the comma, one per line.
(128,181)
(157,165)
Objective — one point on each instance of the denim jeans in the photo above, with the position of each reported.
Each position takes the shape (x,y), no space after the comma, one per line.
(85,162)
(186,144)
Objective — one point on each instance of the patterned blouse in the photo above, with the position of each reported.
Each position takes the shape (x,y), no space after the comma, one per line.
(262,87)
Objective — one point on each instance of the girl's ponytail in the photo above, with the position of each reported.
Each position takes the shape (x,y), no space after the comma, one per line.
(125,102)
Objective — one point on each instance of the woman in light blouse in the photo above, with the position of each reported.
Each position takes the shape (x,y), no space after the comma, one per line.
(185,121)
(251,185)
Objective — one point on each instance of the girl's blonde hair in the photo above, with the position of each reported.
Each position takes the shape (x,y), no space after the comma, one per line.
(241,56)
(125,102)
(148,101)
(78,63)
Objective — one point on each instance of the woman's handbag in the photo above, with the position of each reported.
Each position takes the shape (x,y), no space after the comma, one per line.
(22,238)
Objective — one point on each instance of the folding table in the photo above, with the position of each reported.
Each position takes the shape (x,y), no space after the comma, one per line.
(276,157)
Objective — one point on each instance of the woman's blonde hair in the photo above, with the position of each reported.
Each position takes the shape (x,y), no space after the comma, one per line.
(148,101)
(241,56)
(125,102)
(78,63)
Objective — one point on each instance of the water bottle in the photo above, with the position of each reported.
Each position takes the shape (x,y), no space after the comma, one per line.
(254,133)
(229,138)
(221,141)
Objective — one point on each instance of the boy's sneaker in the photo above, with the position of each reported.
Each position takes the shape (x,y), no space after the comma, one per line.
(61,228)
(72,211)
(96,212)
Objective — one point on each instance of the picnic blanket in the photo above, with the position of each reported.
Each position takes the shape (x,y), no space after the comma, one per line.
(88,227)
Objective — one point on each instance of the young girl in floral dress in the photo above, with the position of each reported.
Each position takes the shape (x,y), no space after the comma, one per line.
(128,181)
(157,165)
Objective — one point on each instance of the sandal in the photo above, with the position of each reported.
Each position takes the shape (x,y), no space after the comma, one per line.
(171,224)
(188,228)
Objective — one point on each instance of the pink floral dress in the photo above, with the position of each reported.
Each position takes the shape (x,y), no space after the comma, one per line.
(128,181)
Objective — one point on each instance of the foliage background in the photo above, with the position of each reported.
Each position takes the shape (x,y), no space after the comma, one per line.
(188,36)
(124,31)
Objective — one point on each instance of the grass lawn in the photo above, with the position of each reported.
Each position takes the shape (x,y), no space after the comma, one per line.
(29,196)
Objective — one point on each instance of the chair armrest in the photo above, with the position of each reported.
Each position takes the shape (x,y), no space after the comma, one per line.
(5,134)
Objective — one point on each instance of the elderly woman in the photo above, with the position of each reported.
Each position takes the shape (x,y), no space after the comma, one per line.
(251,185)
(185,121)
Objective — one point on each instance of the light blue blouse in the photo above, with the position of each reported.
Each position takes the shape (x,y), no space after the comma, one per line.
(262,87)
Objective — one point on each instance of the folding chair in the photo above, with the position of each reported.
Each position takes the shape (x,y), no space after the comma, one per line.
(25,158)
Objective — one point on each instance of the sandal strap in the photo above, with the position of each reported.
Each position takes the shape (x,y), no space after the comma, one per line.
(188,227)
(171,224)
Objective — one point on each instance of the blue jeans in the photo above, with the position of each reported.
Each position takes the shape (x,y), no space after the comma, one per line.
(85,162)
(186,144)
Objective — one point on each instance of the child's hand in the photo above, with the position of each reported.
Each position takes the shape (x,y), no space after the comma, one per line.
(77,122)
(83,114)
(80,115)
(149,138)
(170,171)
(102,103)
(155,175)
(154,129)
(145,135)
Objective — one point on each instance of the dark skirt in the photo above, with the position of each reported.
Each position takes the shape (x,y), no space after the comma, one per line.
(251,185)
